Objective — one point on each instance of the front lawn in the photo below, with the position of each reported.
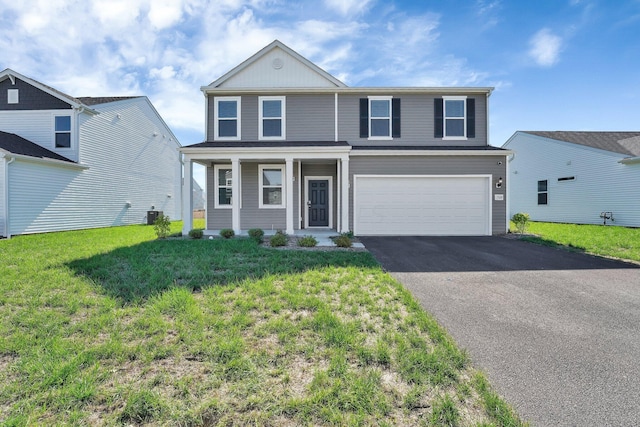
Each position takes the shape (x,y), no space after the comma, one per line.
(113,327)
(611,241)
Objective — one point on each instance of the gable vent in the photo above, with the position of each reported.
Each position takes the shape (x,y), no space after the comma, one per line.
(12,96)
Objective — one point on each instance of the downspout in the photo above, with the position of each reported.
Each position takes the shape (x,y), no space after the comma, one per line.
(6,196)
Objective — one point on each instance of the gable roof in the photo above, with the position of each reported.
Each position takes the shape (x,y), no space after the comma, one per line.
(10,74)
(90,101)
(14,144)
(627,143)
(276,44)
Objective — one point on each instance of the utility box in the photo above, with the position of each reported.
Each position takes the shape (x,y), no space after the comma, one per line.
(152,216)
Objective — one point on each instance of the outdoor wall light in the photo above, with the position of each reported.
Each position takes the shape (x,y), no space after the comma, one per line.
(127,204)
(499,183)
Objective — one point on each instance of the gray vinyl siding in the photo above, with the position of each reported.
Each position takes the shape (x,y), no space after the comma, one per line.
(29,98)
(251,216)
(437,165)
(417,121)
(310,117)
(320,170)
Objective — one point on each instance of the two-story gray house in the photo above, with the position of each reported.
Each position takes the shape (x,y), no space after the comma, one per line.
(288,146)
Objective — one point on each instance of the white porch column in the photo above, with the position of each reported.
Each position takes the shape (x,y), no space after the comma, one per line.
(235,192)
(187,196)
(344,174)
(289,190)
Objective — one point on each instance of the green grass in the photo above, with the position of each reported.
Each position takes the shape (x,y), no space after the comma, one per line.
(113,327)
(610,241)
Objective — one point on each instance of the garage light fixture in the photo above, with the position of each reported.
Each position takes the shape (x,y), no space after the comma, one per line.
(499,183)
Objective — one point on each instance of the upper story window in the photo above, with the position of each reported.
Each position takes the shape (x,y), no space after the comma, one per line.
(454,117)
(380,117)
(63,131)
(271,183)
(543,192)
(222,182)
(272,120)
(227,118)
(12,96)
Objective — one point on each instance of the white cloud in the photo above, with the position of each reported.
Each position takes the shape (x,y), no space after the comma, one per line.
(545,48)
(348,7)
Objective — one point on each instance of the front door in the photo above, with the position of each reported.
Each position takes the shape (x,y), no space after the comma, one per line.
(318,203)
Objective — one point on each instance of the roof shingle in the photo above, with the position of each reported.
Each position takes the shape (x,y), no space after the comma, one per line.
(15,144)
(627,143)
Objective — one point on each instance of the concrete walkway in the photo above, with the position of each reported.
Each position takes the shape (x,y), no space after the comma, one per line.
(558,333)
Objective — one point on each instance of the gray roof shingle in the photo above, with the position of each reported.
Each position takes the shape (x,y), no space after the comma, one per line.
(18,145)
(91,100)
(627,143)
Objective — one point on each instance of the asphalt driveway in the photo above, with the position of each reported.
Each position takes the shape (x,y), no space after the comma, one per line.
(557,332)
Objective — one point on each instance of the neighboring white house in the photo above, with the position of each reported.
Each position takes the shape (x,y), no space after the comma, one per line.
(576,177)
(72,163)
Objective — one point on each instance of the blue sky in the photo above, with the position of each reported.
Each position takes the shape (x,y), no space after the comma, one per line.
(555,65)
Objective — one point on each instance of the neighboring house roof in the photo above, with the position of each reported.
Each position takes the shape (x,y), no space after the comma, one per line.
(15,144)
(89,101)
(262,52)
(430,147)
(627,143)
(10,74)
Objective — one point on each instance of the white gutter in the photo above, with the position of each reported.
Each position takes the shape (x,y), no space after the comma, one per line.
(351,90)
(7,232)
(55,162)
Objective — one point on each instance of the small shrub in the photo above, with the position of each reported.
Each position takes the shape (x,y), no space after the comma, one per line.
(307,241)
(257,234)
(521,221)
(278,239)
(227,233)
(162,226)
(196,233)
(343,241)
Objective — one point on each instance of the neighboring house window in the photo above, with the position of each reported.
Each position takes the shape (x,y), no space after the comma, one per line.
(223,180)
(63,131)
(271,186)
(272,110)
(380,117)
(542,192)
(454,117)
(12,96)
(227,118)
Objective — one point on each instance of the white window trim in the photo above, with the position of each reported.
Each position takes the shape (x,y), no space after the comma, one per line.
(217,186)
(216,123)
(543,192)
(13,96)
(381,98)
(444,117)
(283,118)
(72,144)
(261,205)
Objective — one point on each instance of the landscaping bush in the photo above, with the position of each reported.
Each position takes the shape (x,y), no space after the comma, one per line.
(278,239)
(307,242)
(343,241)
(162,226)
(227,233)
(521,221)
(257,234)
(196,233)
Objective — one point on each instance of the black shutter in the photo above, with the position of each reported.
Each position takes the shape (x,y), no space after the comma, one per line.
(364,118)
(438,118)
(395,117)
(471,118)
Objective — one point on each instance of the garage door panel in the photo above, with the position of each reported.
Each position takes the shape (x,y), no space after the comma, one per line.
(392,205)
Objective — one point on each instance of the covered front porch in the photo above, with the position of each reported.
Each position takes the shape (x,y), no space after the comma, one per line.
(285,186)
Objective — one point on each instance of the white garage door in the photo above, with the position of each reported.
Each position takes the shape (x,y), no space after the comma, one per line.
(422,205)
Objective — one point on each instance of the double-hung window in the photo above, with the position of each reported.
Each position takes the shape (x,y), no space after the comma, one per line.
(380,117)
(454,117)
(272,120)
(271,183)
(222,182)
(227,118)
(62,126)
(543,192)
